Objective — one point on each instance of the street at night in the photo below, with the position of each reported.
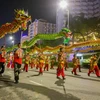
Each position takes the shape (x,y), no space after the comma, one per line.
(50,50)
(47,87)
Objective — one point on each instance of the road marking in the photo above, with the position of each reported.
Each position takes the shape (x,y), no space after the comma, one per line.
(36,83)
(1,85)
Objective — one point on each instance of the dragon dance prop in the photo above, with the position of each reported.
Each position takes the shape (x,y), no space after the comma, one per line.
(20,22)
(92,45)
(66,33)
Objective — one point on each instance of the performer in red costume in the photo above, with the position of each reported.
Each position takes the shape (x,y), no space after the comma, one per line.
(60,69)
(32,63)
(8,60)
(75,65)
(52,63)
(2,60)
(17,62)
(41,64)
(79,65)
(46,64)
(37,62)
(27,60)
(66,63)
(94,66)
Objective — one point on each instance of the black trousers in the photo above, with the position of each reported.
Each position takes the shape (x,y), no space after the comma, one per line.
(2,67)
(16,71)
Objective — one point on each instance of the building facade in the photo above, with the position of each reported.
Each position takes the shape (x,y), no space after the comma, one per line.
(38,27)
(89,8)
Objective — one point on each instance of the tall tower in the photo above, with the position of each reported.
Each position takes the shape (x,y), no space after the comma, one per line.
(89,8)
(60,19)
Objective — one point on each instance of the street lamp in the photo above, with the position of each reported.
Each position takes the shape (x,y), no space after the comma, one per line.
(13,42)
(11,37)
(63,5)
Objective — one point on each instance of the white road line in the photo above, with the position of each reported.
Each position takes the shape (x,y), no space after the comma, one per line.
(1,85)
(35,83)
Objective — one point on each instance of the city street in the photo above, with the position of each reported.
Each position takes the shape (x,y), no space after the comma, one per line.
(47,87)
(50,34)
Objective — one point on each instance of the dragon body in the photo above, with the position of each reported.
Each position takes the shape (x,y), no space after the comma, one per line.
(64,33)
(43,37)
(20,21)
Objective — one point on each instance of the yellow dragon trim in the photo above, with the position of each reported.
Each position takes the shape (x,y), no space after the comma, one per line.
(20,22)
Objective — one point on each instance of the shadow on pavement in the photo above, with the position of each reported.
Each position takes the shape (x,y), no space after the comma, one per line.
(33,75)
(76,76)
(60,82)
(6,79)
(85,78)
(50,93)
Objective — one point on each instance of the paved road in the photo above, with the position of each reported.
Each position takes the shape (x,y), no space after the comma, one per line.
(47,87)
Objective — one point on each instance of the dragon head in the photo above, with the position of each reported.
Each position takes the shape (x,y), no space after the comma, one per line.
(22,18)
(66,31)
(67,34)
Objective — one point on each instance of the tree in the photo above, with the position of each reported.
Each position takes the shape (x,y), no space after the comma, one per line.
(84,29)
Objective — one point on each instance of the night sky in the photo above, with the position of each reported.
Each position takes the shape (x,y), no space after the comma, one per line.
(44,9)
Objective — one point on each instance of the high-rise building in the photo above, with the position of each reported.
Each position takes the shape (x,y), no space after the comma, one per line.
(89,8)
(38,27)
(41,26)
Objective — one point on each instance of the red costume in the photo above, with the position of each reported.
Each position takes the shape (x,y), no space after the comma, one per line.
(79,65)
(75,65)
(32,63)
(94,66)
(52,63)
(46,64)
(27,60)
(66,64)
(60,69)
(2,60)
(18,54)
(41,65)
(61,63)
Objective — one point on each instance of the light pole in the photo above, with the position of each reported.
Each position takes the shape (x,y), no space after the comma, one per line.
(68,19)
(63,5)
(12,39)
(13,42)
